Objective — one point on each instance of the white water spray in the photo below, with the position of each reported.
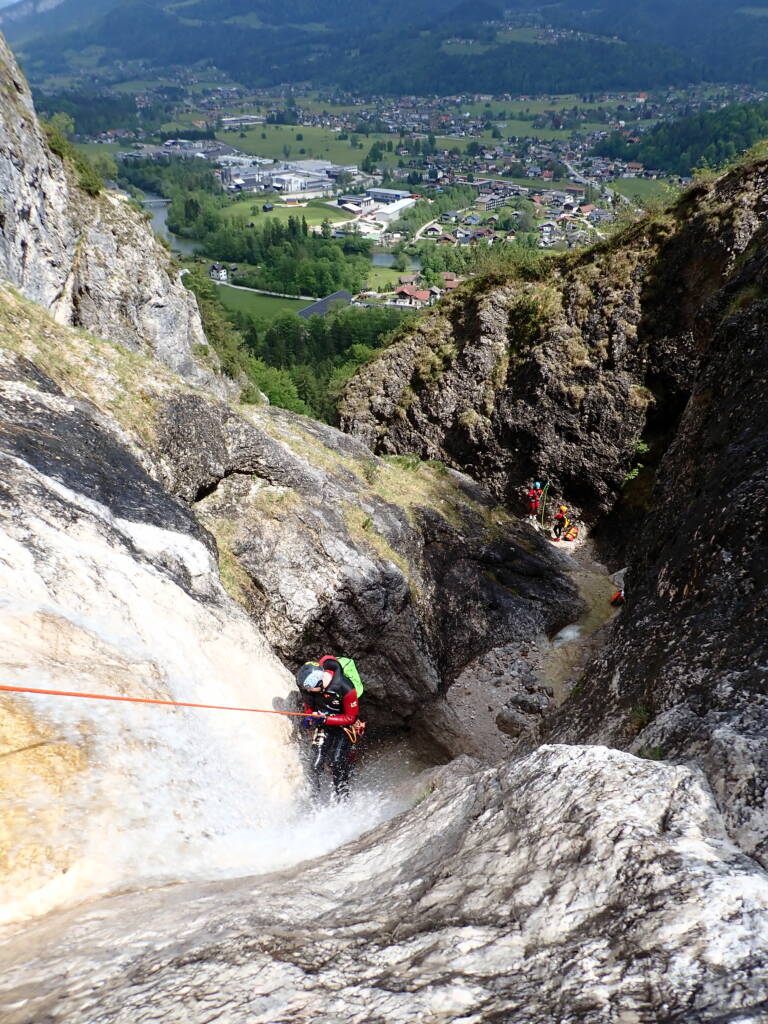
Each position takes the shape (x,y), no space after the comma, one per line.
(102,796)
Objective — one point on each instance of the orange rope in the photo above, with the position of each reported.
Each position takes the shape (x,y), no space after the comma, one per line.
(148,700)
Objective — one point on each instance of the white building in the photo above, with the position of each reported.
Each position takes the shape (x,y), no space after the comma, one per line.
(241,121)
(391,212)
(299,181)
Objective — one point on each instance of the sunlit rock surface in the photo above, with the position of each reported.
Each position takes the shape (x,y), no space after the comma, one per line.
(109,585)
(91,261)
(577,885)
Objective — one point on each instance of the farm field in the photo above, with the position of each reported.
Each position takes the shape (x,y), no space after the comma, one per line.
(566,101)
(314,212)
(518,35)
(379,277)
(134,85)
(643,188)
(318,106)
(266,307)
(521,129)
(281,143)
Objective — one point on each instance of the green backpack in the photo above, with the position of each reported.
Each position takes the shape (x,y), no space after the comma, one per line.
(349,668)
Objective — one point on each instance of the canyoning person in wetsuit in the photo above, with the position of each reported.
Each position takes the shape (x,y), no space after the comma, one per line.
(534,498)
(332,709)
(561,521)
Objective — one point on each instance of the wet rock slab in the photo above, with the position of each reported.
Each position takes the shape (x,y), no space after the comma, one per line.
(578,885)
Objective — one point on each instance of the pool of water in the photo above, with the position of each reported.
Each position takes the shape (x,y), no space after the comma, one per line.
(569,650)
(386,259)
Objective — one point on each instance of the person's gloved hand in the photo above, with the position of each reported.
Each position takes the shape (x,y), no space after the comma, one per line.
(308,723)
(318,718)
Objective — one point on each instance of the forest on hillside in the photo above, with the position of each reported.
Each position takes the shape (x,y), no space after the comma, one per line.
(397,48)
(701,140)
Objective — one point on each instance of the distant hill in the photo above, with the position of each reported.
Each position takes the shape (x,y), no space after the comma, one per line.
(397,46)
(709,138)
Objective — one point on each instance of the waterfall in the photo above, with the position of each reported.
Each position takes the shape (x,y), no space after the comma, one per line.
(100,795)
(103,796)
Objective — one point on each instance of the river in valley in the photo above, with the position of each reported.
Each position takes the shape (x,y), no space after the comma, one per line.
(157,206)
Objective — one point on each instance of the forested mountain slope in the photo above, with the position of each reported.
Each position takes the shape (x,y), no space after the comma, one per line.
(399,47)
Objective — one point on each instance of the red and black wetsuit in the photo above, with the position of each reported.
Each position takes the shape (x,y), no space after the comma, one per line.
(338,702)
(561,521)
(534,499)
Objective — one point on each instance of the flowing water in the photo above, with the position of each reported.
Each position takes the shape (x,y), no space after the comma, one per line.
(102,797)
(569,650)
(158,207)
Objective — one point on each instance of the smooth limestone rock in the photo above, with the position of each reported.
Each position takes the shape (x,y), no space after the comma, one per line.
(93,262)
(110,585)
(535,892)
(114,468)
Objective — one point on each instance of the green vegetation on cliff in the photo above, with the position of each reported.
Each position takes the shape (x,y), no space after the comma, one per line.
(299,364)
(56,132)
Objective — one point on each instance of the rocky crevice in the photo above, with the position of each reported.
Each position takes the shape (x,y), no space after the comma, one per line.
(328,550)
(682,676)
(636,386)
(564,378)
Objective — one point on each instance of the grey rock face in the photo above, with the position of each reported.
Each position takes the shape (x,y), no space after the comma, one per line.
(530,893)
(110,586)
(92,262)
(512,380)
(684,672)
(656,337)
(413,572)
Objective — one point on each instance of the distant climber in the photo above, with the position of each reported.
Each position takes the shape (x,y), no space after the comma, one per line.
(618,598)
(331,688)
(561,523)
(535,492)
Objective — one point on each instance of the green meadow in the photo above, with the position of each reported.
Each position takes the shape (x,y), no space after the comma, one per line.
(265,307)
